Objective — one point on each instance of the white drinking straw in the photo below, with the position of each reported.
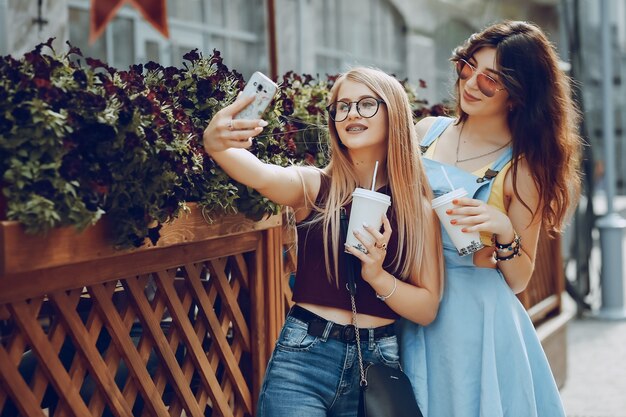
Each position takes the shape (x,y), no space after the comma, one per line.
(374,177)
(445,174)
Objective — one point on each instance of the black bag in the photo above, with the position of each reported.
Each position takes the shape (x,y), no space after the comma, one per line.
(387,393)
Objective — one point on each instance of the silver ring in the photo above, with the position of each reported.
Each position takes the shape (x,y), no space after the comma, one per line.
(230,124)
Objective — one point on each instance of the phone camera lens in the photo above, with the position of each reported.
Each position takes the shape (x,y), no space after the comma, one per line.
(259,87)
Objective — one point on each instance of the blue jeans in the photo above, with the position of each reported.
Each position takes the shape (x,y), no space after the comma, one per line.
(317,376)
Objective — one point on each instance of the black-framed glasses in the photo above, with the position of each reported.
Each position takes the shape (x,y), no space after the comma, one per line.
(366,107)
(486,84)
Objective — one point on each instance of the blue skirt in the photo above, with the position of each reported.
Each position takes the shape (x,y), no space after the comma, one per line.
(481,357)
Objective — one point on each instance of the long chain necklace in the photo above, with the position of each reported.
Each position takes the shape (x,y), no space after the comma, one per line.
(458,145)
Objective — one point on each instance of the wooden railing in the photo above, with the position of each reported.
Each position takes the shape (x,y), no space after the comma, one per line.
(181,328)
(187,325)
(542,296)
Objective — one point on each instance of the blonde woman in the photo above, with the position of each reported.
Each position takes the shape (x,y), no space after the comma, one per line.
(314,370)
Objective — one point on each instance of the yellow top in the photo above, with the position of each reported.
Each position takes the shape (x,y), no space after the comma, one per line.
(496,196)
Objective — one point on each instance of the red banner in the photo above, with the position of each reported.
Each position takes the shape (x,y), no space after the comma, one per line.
(102,11)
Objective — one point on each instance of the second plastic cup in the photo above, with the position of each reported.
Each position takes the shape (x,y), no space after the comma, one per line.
(465,243)
(367,207)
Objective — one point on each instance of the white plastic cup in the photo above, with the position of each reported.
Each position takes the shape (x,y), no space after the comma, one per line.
(465,243)
(367,207)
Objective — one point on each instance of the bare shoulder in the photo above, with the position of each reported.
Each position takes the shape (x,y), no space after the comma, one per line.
(423,125)
(525,184)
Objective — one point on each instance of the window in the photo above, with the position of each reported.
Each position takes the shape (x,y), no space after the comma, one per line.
(358,32)
(236,28)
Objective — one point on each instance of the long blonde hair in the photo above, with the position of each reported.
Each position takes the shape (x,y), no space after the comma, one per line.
(406,177)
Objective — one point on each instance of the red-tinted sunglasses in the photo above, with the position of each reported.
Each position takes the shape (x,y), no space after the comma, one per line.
(486,84)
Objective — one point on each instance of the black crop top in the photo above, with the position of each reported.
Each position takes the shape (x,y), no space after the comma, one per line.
(312,284)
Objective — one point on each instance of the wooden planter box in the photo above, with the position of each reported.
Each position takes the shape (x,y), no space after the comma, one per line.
(181,328)
(186,325)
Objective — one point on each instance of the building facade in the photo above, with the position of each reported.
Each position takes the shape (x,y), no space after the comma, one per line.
(410,38)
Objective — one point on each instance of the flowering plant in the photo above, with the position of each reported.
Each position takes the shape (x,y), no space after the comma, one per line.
(78,140)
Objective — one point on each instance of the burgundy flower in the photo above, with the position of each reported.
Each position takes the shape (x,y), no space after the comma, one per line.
(291,146)
(41,82)
(288,107)
(166,134)
(74,50)
(143,104)
(219,95)
(125,117)
(90,102)
(171,72)
(204,90)
(137,68)
(151,136)
(152,66)
(216,57)
(21,115)
(422,83)
(96,63)
(192,56)
(186,103)
(80,77)
(313,109)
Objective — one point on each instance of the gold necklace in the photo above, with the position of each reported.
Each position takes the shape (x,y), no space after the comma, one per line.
(458,145)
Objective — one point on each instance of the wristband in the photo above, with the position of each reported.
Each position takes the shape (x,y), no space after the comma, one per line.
(509,247)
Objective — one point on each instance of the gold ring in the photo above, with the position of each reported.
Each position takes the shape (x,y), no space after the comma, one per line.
(382,246)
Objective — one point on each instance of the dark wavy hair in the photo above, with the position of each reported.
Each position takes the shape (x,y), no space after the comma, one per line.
(543,118)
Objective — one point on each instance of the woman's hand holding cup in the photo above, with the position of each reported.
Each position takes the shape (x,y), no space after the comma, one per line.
(376,246)
(224,132)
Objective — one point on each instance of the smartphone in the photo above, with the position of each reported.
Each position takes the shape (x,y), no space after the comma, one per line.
(262,89)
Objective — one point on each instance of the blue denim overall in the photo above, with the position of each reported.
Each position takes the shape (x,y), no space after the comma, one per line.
(481,357)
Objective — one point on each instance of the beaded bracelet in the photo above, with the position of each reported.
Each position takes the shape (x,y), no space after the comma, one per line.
(497,258)
(511,249)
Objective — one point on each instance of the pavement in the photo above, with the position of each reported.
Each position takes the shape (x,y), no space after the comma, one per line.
(596,364)
(596,368)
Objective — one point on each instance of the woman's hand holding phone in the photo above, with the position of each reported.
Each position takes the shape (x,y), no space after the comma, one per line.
(234,126)
(224,131)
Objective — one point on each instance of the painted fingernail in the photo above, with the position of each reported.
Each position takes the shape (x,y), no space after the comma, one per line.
(449,211)
(452,221)
(455,201)
(464,230)
(263,123)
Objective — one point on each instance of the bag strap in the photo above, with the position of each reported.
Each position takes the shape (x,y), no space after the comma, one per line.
(349,261)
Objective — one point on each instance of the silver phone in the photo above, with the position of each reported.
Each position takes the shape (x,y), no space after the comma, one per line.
(262,89)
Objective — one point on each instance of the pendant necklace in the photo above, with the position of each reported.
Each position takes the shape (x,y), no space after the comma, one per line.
(458,145)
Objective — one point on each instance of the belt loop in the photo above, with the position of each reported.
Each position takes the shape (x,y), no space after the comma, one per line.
(327,329)
(371,338)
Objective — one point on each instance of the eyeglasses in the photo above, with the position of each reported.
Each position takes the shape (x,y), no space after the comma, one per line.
(366,107)
(486,84)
